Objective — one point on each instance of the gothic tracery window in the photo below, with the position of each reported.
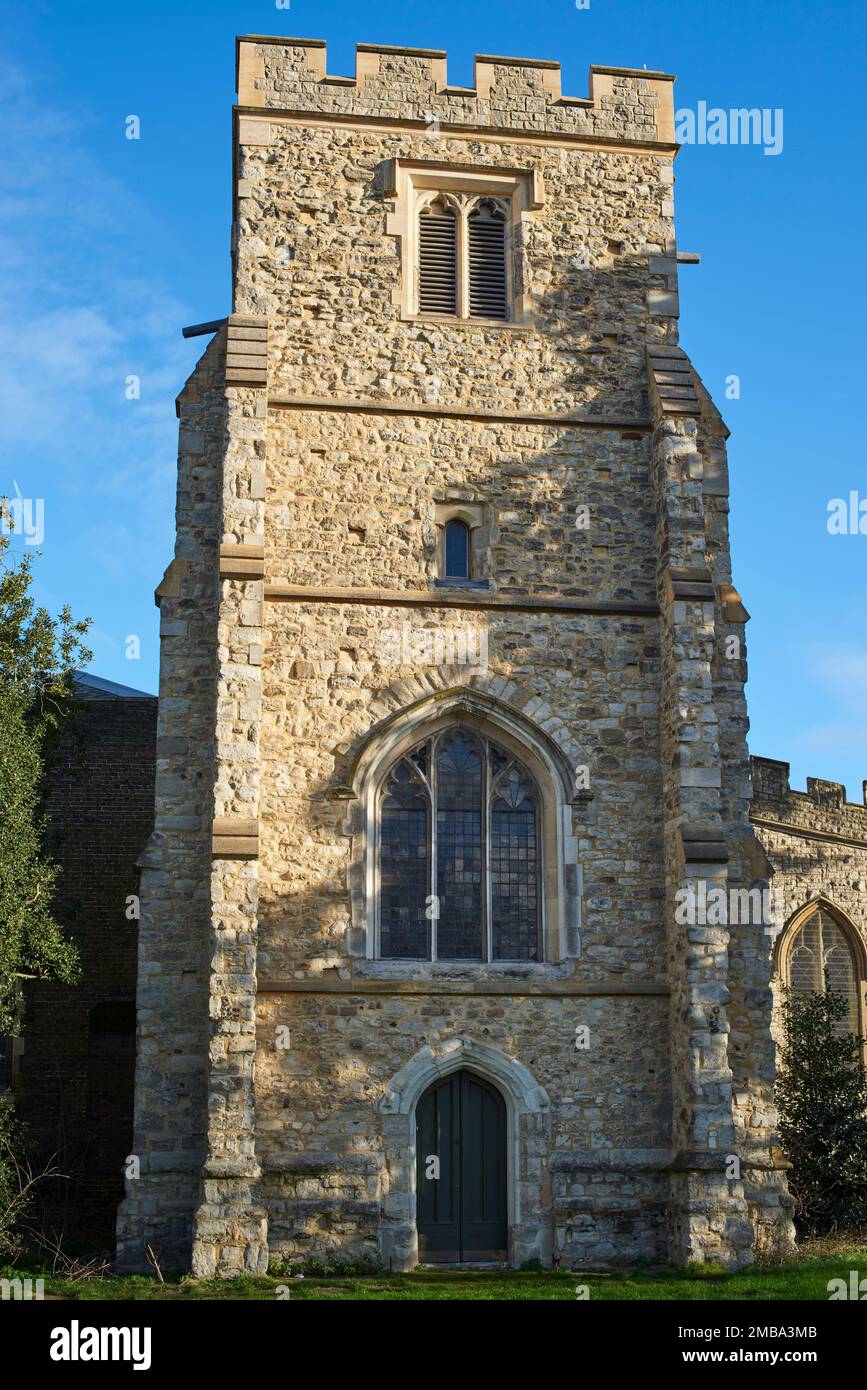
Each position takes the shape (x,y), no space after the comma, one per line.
(819,959)
(459,854)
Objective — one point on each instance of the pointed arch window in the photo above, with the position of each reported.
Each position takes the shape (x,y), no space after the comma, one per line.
(459,848)
(819,957)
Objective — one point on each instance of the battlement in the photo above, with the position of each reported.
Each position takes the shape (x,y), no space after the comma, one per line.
(822,808)
(523,95)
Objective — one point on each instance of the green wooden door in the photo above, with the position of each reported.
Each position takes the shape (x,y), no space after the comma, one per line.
(461,1171)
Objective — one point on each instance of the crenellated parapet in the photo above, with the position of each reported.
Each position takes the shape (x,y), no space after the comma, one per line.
(411,85)
(823,810)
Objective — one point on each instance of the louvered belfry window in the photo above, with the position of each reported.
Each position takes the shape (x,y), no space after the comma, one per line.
(486,246)
(438,260)
(462,258)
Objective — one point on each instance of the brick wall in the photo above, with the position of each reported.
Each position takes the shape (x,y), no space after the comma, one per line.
(75,1084)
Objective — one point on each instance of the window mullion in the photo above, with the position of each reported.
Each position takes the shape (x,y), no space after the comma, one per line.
(508,266)
(377,863)
(463,266)
(486,860)
(434,921)
(821,939)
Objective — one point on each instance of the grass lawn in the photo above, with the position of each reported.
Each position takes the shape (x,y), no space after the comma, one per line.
(803,1278)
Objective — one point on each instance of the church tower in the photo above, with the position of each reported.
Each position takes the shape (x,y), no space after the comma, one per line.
(452,721)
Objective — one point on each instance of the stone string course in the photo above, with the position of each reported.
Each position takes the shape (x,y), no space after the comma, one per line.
(266,1119)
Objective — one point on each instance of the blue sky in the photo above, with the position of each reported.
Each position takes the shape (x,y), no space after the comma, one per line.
(108,246)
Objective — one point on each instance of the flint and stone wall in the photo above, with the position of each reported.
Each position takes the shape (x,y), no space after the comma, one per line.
(169,1132)
(278,1064)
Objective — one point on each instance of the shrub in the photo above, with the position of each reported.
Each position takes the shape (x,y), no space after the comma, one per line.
(822,1100)
(12,1201)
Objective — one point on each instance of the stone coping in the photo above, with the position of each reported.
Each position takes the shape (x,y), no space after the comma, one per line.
(503,62)
(288,41)
(399,48)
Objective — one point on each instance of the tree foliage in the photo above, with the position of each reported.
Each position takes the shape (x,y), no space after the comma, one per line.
(822,1101)
(38,654)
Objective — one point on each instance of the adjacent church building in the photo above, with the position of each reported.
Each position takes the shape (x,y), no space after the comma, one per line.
(451,749)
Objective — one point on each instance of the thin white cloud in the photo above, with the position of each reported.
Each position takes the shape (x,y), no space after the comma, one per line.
(849,740)
(834,680)
(843,673)
(77,319)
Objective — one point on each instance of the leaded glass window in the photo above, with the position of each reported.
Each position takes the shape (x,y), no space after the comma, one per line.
(457,550)
(820,960)
(460,860)
(404,865)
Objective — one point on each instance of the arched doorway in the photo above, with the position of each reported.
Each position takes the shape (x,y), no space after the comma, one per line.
(462,1171)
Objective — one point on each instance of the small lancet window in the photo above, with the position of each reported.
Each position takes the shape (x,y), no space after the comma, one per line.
(457,550)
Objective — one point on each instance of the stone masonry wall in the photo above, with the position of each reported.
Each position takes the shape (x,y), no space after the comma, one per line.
(350,505)
(173,977)
(341,426)
(325,530)
(329,276)
(314,253)
(816,845)
(323,1141)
